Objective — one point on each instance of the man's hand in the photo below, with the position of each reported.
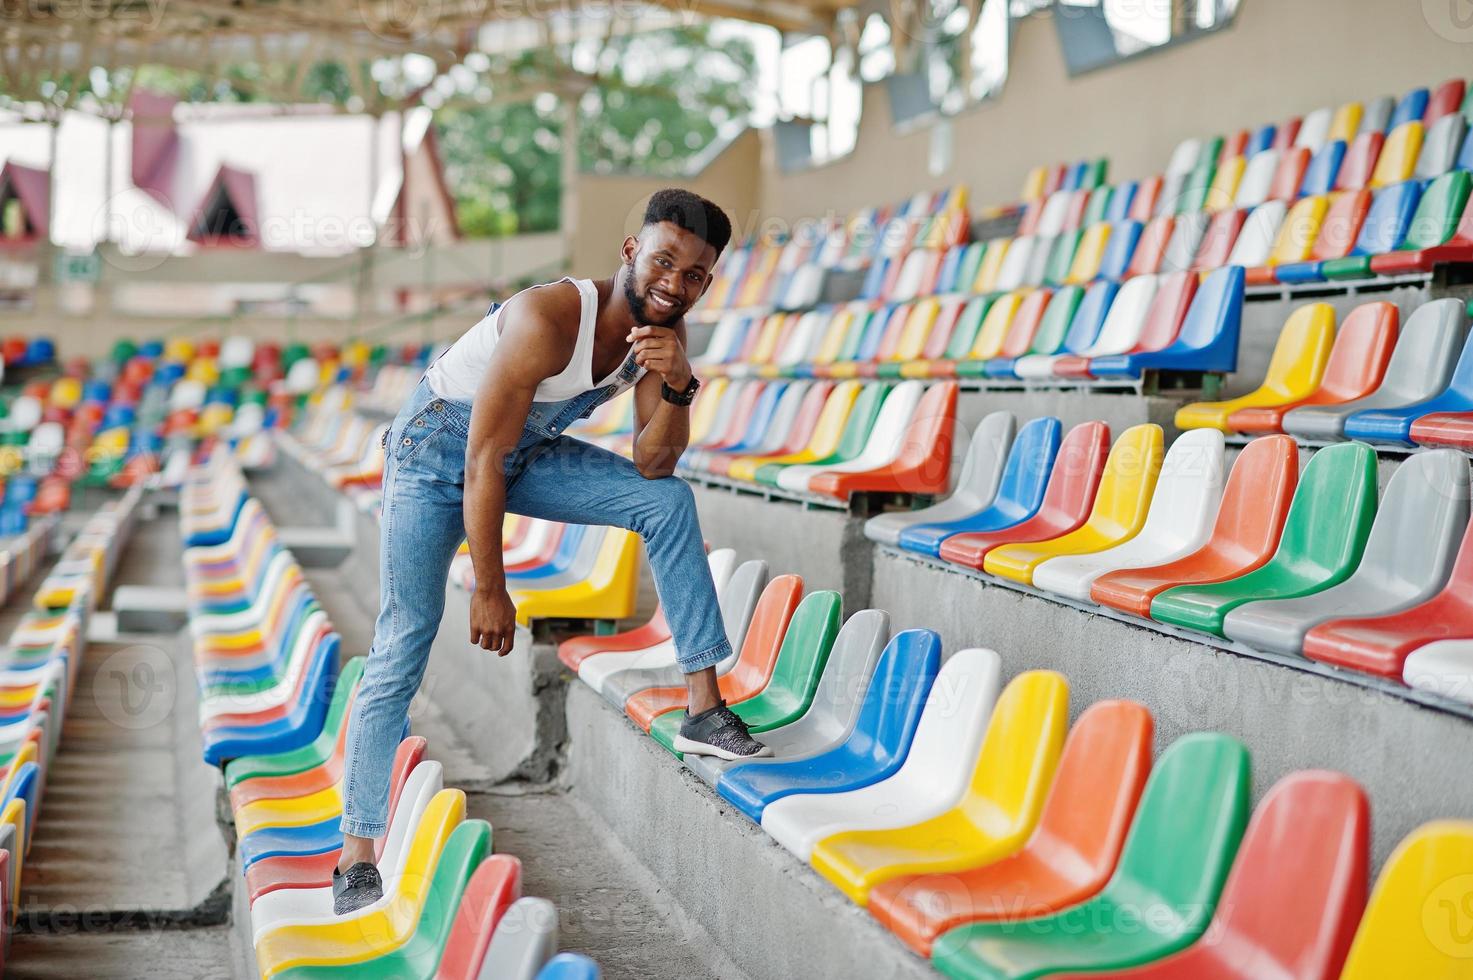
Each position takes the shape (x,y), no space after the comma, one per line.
(493,620)
(658,349)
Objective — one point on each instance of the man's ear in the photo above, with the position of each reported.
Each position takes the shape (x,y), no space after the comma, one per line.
(629,250)
(710,278)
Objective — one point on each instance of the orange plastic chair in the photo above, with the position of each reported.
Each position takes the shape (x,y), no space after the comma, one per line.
(750,673)
(1357,362)
(924,463)
(1071,853)
(1255,502)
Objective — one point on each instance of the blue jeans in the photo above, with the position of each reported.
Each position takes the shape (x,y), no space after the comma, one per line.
(549,476)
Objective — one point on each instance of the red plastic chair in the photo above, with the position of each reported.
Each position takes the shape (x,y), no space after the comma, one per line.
(1360,162)
(924,463)
(1287,133)
(1255,502)
(549,548)
(493,887)
(1317,823)
(1289,174)
(753,668)
(1025,324)
(889,340)
(1357,362)
(1217,240)
(302,783)
(578,649)
(1446,100)
(1066,501)
(1168,310)
(1381,644)
(1234,145)
(1071,853)
(1151,248)
(1143,205)
(1445,429)
(798,435)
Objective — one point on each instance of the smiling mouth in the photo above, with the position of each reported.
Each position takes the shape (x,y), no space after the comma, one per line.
(663,302)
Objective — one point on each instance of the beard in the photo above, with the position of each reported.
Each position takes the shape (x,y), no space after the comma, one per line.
(641,310)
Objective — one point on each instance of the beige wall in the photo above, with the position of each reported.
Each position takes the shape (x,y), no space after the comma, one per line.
(1279,58)
(610,207)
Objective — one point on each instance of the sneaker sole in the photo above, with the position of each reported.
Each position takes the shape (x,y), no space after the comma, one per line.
(688,747)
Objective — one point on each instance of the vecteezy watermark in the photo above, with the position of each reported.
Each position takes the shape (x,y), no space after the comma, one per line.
(149,13)
(1447,917)
(136,687)
(1451,20)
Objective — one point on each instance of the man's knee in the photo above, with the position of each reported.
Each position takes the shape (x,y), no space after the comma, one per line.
(670,500)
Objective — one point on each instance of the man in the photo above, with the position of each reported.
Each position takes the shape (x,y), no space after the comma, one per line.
(482,437)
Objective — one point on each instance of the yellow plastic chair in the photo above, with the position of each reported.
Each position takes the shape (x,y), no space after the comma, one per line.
(609,591)
(1224,187)
(180,350)
(1398,157)
(708,405)
(754,288)
(833,340)
(1419,923)
(1346,122)
(65,393)
(204,370)
(917,330)
(26,753)
(827,432)
(1299,231)
(992,259)
(1294,372)
(358,937)
(1088,255)
(15,815)
(292,811)
(1033,184)
(994,817)
(994,329)
(1119,510)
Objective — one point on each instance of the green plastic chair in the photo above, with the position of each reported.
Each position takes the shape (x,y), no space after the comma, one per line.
(1062,257)
(1162,895)
(316,752)
(790,689)
(1095,173)
(1437,216)
(1052,327)
(468,846)
(1324,534)
(967,325)
(971,263)
(856,433)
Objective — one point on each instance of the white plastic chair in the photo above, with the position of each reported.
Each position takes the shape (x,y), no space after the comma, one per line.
(1256,239)
(1258,177)
(883,446)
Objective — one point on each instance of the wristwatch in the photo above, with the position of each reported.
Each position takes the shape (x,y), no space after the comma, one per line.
(682,398)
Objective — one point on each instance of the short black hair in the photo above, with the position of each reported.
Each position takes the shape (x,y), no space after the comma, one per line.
(692,212)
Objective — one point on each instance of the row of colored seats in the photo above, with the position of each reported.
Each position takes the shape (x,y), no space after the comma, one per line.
(973,821)
(827,438)
(1065,336)
(342,446)
(275,717)
(1278,560)
(1367,381)
(38,671)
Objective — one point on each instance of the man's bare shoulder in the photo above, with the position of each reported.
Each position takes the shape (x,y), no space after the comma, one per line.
(554,309)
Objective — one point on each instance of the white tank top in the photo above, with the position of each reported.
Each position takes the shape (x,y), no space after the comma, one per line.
(458,373)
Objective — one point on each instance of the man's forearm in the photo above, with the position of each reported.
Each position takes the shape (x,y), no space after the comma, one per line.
(485,511)
(663,439)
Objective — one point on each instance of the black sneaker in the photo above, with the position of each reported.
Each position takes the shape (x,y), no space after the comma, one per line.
(359,887)
(718,731)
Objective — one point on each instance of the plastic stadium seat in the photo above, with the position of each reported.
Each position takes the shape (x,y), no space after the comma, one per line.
(1208,340)
(1394,424)
(289,904)
(569,966)
(1258,176)
(1324,535)
(1084,327)
(1089,253)
(1178,523)
(1440,148)
(1186,235)
(1159,899)
(1383,230)
(754,665)
(1013,335)
(1407,557)
(1150,251)
(976,486)
(524,941)
(298,727)
(790,687)
(871,438)
(1314,129)
(1444,668)
(381,927)
(1065,505)
(1295,238)
(1399,154)
(318,753)
(617,676)
(922,462)
(995,814)
(1446,99)
(1260,230)
(1443,237)
(1015,263)
(834,709)
(1218,240)
(1164,316)
(1303,172)
(1020,491)
(1119,252)
(876,745)
(1294,371)
(1451,429)
(1047,339)
(1069,856)
(1414,924)
(1381,644)
(1120,332)
(839,436)
(803,429)
(1350,167)
(1319,821)
(1421,366)
(1337,235)
(492,889)
(1355,368)
(1117,514)
(933,777)
(607,590)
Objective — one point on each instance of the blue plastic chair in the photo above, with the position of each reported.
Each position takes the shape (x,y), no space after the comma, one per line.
(293,730)
(1262,139)
(1119,250)
(1120,201)
(757,424)
(1020,492)
(1090,316)
(1209,335)
(1073,177)
(873,751)
(950,263)
(562,559)
(307,839)
(26,786)
(221,534)
(303,605)
(1413,106)
(570,966)
(874,280)
(1394,425)
(1324,167)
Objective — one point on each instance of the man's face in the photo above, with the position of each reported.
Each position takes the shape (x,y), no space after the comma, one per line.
(669,269)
